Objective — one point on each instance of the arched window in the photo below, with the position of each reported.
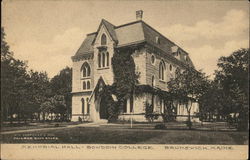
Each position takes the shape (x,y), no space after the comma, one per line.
(103,59)
(170,67)
(99,60)
(83,103)
(162,68)
(152,59)
(153,81)
(88,85)
(85,70)
(103,39)
(107,54)
(84,85)
(88,106)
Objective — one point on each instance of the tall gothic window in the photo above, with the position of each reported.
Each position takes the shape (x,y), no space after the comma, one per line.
(88,85)
(103,39)
(153,81)
(88,106)
(162,69)
(103,59)
(99,60)
(84,85)
(170,67)
(107,56)
(83,103)
(85,70)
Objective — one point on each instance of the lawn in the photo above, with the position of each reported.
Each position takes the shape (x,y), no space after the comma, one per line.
(122,134)
(22,126)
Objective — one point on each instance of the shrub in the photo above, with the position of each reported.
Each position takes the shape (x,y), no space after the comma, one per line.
(149,114)
(80,119)
(160,126)
(189,124)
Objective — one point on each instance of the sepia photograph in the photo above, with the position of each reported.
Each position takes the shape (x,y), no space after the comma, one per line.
(123,79)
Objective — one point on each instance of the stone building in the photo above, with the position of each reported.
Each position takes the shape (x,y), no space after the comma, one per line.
(156,59)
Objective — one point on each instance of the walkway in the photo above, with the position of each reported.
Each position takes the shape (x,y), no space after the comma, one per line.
(47,129)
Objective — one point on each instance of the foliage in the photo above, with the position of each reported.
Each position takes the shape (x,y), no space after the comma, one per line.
(150,115)
(61,84)
(188,87)
(24,93)
(125,77)
(232,77)
(112,106)
(54,105)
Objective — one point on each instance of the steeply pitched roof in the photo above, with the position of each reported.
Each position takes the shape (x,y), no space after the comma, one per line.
(134,32)
(86,46)
(111,29)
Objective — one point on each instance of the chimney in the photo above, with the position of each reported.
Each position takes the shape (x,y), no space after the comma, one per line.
(139,15)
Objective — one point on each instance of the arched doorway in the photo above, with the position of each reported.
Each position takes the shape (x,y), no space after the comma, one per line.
(103,109)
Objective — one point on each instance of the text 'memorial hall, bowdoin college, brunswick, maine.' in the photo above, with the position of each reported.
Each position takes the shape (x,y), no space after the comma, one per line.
(156,59)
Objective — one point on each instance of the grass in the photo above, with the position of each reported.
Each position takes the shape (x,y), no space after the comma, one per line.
(22,126)
(122,134)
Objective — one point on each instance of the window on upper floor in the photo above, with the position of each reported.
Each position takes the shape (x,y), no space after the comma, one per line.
(86,85)
(107,58)
(103,39)
(153,59)
(162,69)
(153,81)
(170,67)
(157,40)
(103,59)
(99,60)
(85,70)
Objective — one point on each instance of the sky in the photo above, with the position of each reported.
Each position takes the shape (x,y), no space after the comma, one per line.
(46,33)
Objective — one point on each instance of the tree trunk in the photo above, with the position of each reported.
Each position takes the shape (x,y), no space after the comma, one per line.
(189,123)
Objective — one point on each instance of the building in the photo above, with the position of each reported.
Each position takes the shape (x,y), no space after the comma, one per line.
(155,57)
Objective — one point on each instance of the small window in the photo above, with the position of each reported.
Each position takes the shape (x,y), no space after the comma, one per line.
(107,54)
(84,85)
(185,57)
(153,81)
(170,67)
(152,59)
(103,59)
(103,39)
(157,40)
(99,60)
(88,85)
(162,68)
(85,70)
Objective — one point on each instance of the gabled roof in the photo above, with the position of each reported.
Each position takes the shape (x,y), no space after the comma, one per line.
(86,46)
(131,33)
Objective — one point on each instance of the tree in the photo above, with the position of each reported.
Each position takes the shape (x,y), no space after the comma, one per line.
(188,86)
(232,75)
(213,102)
(125,77)
(39,90)
(61,84)
(13,83)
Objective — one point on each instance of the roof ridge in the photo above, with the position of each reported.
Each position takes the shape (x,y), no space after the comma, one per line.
(126,24)
(104,20)
(164,36)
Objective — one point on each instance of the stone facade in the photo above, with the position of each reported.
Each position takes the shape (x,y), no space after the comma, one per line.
(92,69)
